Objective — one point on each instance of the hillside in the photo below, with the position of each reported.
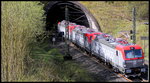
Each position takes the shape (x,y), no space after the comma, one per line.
(114,17)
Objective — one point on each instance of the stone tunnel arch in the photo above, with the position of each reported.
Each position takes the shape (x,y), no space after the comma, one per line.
(55,12)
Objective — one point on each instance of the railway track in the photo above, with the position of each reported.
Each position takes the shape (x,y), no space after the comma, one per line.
(137,79)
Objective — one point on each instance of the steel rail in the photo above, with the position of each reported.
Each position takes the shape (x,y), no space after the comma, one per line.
(105,66)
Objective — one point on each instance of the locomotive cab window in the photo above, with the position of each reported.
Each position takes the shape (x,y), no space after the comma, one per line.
(136,53)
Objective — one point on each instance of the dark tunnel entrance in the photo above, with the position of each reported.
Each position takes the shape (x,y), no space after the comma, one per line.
(55,12)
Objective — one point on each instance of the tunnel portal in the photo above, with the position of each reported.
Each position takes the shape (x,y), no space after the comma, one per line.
(77,13)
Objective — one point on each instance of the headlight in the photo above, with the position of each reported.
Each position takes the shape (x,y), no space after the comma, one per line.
(143,64)
(124,65)
(128,71)
(143,70)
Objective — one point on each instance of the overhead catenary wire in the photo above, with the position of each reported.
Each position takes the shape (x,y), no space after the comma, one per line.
(76,12)
(75,9)
(79,11)
(72,8)
(78,17)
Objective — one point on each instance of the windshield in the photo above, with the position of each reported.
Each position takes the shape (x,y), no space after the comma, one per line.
(133,53)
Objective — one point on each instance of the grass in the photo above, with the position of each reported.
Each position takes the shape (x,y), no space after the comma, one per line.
(47,65)
(115,17)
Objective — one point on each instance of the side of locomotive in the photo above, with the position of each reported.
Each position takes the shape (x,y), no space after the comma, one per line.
(118,53)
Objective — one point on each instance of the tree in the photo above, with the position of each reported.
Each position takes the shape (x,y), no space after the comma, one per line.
(21,22)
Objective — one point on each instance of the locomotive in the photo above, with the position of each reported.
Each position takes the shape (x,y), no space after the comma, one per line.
(124,57)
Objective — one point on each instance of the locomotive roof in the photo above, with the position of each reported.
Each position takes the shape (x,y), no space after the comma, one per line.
(100,37)
(103,41)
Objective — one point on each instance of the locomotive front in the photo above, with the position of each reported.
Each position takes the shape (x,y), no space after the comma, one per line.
(133,63)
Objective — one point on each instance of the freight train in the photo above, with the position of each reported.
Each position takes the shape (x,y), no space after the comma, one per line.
(124,57)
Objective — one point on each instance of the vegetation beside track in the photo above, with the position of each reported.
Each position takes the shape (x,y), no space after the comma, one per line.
(47,64)
(21,22)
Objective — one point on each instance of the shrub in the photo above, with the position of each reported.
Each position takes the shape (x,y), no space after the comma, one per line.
(21,22)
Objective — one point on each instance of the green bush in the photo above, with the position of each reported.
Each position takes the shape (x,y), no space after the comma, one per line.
(48,65)
(21,22)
